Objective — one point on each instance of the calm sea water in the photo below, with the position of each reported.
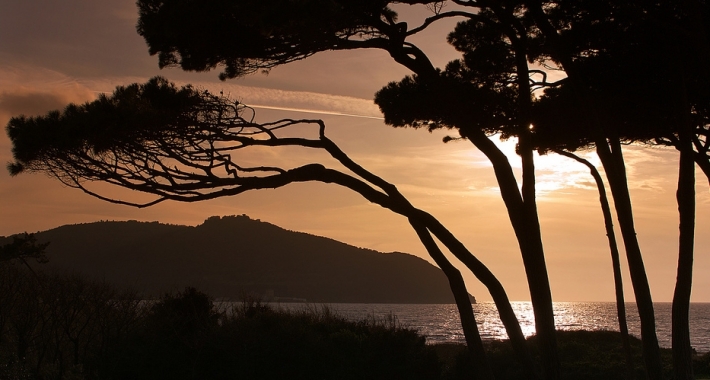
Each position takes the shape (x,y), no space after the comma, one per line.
(440,323)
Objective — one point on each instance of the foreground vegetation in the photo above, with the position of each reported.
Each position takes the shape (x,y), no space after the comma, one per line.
(56,326)
(67,327)
(584,355)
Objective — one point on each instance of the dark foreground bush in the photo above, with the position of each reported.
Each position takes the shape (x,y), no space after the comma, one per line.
(185,337)
(66,327)
(55,326)
(584,355)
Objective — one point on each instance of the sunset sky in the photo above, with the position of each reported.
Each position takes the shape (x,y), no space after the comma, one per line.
(55,52)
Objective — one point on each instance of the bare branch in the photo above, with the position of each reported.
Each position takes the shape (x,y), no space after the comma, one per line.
(437,17)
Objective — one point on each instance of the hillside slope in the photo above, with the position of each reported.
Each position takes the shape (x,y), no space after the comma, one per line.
(235,255)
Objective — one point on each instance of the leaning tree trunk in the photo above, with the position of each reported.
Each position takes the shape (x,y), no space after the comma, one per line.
(523,217)
(399,204)
(685,195)
(615,261)
(613,161)
(536,268)
(528,231)
(495,288)
(463,302)
(522,206)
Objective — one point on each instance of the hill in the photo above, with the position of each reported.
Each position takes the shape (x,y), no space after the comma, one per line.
(234,255)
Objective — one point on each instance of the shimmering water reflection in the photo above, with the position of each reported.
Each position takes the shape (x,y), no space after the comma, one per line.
(440,323)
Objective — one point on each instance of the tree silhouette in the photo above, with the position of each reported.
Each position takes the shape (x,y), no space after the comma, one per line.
(614,95)
(487,92)
(23,247)
(571,137)
(183,145)
(275,32)
(615,259)
(611,52)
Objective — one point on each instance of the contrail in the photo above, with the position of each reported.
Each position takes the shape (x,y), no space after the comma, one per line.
(320,112)
(303,110)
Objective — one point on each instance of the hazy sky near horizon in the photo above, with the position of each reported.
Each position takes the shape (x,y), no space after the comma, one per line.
(55,52)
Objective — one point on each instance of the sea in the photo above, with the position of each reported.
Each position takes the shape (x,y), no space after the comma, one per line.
(439,323)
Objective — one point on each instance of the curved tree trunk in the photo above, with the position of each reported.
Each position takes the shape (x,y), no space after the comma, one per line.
(397,203)
(615,261)
(682,351)
(463,302)
(613,161)
(685,195)
(523,216)
(522,209)
(495,288)
(535,267)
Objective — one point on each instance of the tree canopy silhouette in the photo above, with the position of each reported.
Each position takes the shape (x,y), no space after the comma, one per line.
(614,56)
(190,152)
(374,25)
(248,36)
(23,247)
(637,72)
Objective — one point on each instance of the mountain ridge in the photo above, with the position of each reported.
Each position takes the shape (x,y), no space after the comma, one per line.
(234,256)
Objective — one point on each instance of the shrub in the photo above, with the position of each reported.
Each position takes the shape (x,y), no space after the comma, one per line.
(58,326)
(185,337)
(584,355)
